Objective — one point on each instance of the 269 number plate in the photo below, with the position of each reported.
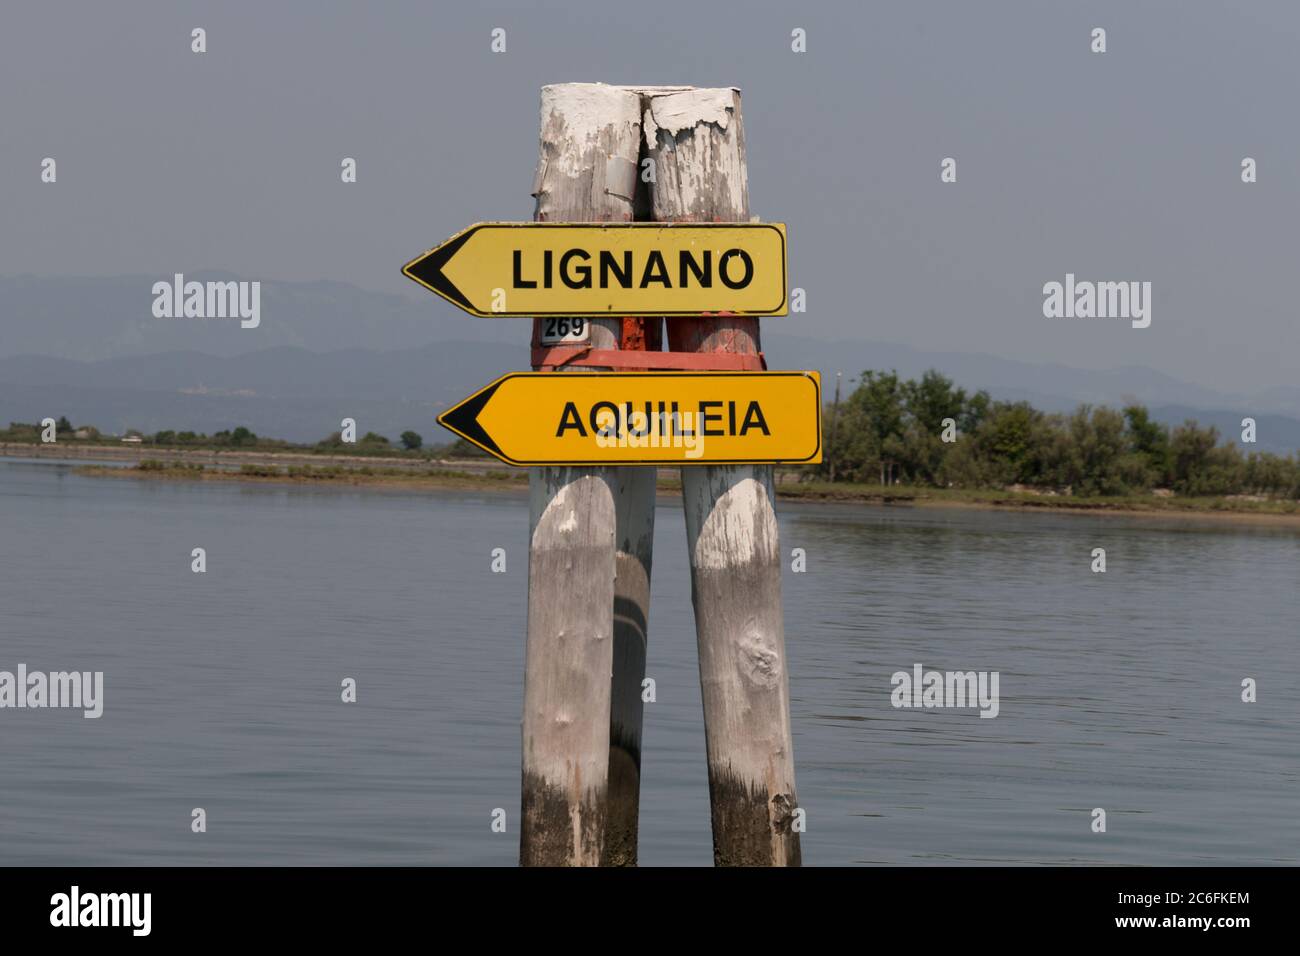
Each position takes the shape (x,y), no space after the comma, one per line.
(564,331)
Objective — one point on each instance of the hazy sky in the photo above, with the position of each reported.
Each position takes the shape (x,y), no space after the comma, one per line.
(1116,166)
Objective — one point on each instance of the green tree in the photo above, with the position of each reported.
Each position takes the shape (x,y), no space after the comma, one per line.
(1149,439)
(1014,441)
(1269,474)
(932,399)
(1093,452)
(963,467)
(891,430)
(872,414)
(926,403)
(920,453)
(880,400)
(1200,465)
(411,440)
(977,408)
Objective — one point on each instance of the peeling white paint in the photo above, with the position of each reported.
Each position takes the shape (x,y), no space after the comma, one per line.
(574,509)
(675,112)
(701,176)
(741,528)
(582,111)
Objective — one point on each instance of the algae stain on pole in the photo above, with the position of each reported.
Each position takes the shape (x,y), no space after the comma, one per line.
(697,141)
(586,172)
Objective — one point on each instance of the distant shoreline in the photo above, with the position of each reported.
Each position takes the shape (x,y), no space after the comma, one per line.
(88,451)
(438,479)
(379,473)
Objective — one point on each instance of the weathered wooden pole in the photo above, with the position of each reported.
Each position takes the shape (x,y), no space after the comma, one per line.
(697,141)
(635,508)
(586,172)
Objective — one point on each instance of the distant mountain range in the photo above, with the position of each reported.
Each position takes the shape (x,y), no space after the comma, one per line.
(92,319)
(92,350)
(281,392)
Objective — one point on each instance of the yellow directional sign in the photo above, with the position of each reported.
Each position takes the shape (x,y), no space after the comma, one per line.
(640,418)
(561,268)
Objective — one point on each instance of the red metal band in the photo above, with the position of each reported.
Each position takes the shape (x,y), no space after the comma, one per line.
(556,356)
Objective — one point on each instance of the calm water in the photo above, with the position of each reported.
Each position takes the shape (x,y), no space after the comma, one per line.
(1119,690)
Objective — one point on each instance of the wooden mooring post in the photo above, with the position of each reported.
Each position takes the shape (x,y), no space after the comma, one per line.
(592,529)
(590,139)
(697,140)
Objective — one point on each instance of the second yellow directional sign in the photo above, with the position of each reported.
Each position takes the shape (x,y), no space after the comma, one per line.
(631,418)
(561,268)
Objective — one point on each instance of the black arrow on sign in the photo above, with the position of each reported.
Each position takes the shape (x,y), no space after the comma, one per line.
(463,420)
(427,270)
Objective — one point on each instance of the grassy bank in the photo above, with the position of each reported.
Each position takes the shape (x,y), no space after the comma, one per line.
(1023,500)
(436,478)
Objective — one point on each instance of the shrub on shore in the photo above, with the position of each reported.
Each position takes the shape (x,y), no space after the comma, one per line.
(929,433)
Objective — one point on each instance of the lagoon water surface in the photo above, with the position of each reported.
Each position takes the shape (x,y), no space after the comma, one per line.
(222,690)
